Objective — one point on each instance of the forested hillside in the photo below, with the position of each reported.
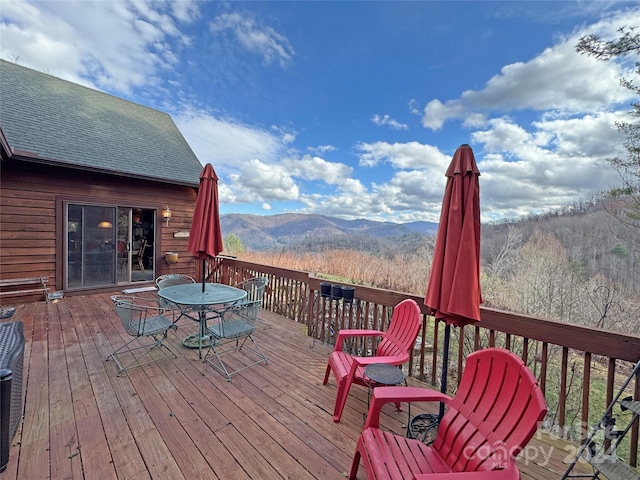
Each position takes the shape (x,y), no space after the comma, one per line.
(593,240)
(579,265)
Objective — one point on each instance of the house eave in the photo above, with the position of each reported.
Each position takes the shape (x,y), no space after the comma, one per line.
(30,157)
(4,145)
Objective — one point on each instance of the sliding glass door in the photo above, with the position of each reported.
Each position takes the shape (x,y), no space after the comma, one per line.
(108,245)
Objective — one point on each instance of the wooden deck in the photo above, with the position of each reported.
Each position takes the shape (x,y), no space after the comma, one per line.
(180,419)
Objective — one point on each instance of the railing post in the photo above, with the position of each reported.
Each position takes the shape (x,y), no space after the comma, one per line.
(586,381)
(310,316)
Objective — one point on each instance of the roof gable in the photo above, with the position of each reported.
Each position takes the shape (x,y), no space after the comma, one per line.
(52,119)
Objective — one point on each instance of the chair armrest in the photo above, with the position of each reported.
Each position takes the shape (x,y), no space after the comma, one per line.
(347,333)
(509,473)
(391,360)
(382,395)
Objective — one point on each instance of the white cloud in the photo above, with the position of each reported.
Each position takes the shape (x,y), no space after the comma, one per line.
(321,149)
(316,168)
(387,120)
(345,205)
(414,107)
(552,165)
(259,181)
(227,143)
(258,39)
(409,195)
(185,11)
(352,186)
(288,138)
(401,155)
(109,45)
(595,135)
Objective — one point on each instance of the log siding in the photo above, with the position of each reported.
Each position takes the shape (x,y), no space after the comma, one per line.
(32,205)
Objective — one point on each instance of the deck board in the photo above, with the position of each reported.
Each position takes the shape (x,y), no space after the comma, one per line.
(180,419)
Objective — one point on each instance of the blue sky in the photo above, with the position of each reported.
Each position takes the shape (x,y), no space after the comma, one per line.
(354,109)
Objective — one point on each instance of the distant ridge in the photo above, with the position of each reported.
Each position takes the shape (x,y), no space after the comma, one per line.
(295,230)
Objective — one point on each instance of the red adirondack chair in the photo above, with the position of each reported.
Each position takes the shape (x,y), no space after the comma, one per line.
(492,417)
(393,349)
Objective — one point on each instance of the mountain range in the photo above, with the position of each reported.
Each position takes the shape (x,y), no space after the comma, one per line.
(297,231)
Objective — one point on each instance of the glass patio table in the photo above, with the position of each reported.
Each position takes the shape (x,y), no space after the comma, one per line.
(191,299)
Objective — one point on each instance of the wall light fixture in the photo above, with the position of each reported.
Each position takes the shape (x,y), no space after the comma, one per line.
(166,214)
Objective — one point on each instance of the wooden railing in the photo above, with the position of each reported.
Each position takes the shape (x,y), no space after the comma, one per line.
(573,364)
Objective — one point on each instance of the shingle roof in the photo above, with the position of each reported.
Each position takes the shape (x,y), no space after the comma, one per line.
(67,123)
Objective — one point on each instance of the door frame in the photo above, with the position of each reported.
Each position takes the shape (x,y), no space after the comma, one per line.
(61,256)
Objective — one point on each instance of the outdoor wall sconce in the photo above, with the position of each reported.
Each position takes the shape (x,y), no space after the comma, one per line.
(166,214)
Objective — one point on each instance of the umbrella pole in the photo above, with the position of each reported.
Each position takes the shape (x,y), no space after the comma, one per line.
(204,275)
(445,367)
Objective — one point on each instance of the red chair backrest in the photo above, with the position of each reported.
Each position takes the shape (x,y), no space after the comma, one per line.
(403,329)
(494,413)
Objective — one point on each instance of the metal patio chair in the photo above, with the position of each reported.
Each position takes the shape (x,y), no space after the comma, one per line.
(229,332)
(148,326)
(255,288)
(169,280)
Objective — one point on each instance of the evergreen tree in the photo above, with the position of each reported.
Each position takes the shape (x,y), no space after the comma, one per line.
(232,245)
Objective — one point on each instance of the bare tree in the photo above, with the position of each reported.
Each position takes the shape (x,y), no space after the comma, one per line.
(603,298)
(505,258)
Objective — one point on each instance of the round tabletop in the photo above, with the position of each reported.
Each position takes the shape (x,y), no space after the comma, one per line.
(192,294)
(384,373)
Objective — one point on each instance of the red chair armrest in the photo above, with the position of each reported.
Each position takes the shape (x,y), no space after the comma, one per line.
(364,361)
(391,360)
(382,395)
(358,333)
(346,333)
(509,473)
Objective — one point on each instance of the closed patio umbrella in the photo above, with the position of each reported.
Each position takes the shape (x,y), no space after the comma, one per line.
(453,292)
(205,236)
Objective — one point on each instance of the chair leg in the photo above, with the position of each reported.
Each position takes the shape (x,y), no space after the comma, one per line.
(355,464)
(218,351)
(343,385)
(341,398)
(136,360)
(218,364)
(326,374)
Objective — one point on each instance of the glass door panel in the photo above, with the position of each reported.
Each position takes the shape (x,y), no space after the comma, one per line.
(142,244)
(90,246)
(123,246)
(75,227)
